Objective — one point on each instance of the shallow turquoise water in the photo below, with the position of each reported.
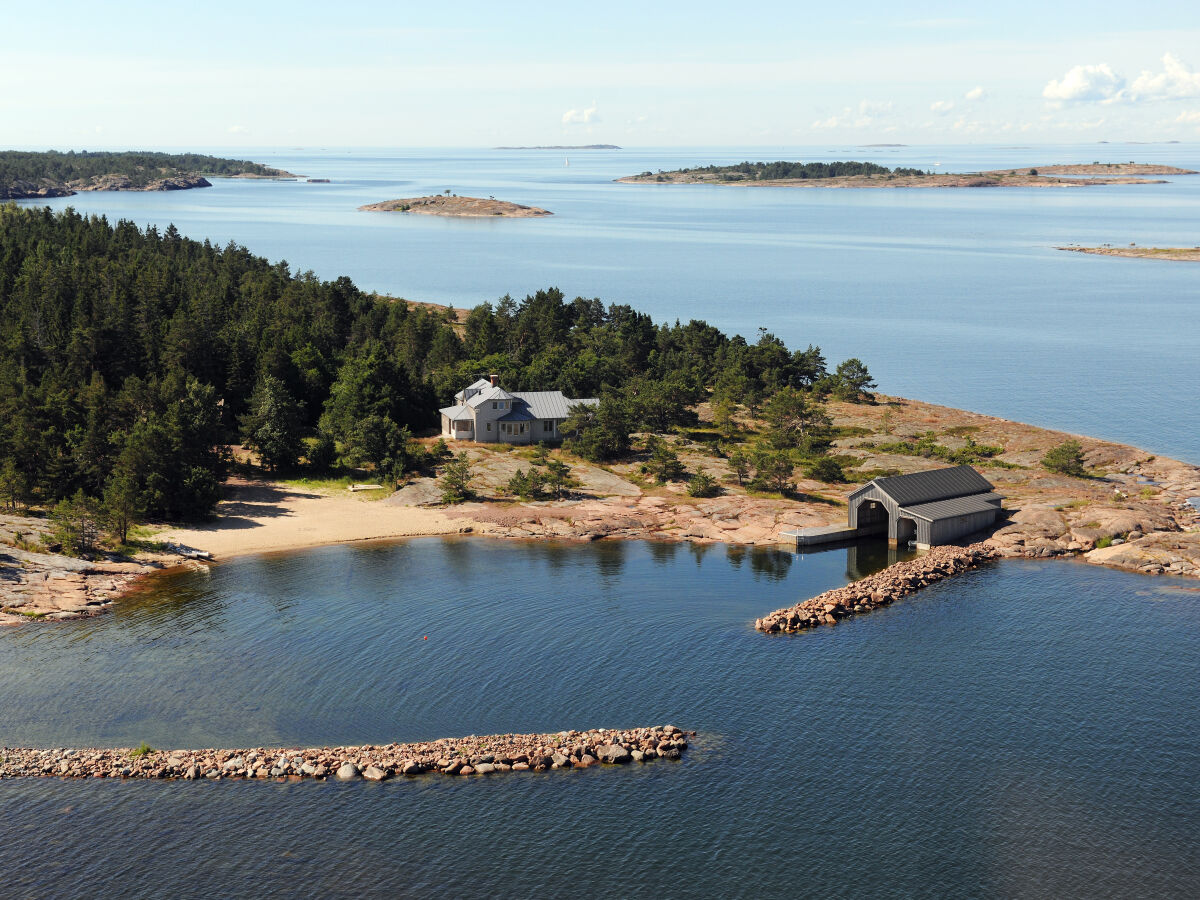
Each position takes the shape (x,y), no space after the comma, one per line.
(1028,729)
(951,296)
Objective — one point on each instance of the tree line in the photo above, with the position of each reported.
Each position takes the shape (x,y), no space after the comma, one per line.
(141,166)
(781,169)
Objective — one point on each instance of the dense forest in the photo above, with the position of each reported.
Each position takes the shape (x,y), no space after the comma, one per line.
(772,171)
(140,166)
(132,358)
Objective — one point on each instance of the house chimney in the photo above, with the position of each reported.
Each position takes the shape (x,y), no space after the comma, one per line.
(495,378)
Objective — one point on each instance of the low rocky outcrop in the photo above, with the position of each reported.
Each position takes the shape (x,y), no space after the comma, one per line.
(492,754)
(471,207)
(876,590)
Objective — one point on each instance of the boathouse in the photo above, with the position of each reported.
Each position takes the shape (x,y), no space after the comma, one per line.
(925,508)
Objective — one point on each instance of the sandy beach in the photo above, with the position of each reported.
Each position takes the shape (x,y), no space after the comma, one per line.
(263,517)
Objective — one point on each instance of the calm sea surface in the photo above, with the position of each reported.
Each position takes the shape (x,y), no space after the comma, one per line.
(1026,730)
(951,296)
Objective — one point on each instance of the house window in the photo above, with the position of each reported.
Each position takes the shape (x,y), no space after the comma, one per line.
(494,406)
(548,425)
(522,429)
(489,426)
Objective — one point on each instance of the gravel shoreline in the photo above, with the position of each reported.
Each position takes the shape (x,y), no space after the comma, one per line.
(472,755)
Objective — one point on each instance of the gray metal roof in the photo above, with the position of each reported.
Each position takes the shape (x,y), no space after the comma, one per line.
(951,509)
(492,393)
(481,384)
(550,404)
(518,414)
(936,484)
(456,413)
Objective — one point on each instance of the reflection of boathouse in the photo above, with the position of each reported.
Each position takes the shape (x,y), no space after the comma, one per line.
(927,508)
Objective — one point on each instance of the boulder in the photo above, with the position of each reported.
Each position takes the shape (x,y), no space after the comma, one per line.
(373,773)
(347,772)
(613,754)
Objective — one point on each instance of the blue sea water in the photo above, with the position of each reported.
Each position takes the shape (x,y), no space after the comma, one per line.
(1025,730)
(953,296)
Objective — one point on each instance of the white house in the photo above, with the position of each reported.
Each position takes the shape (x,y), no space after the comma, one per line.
(489,414)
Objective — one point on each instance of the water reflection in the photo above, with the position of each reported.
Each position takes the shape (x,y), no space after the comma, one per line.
(662,552)
(735,554)
(610,559)
(770,563)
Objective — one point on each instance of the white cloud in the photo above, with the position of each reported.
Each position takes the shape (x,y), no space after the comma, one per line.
(941,107)
(1175,82)
(975,93)
(874,107)
(582,116)
(1189,117)
(237,129)
(1085,83)
(851,118)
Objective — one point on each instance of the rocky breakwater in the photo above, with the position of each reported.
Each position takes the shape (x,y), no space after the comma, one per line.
(456,757)
(877,590)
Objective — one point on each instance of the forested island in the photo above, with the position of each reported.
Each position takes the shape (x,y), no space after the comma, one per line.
(146,375)
(454,205)
(25,175)
(870,175)
(134,358)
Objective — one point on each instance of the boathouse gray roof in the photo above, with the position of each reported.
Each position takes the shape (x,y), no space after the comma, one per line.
(958,506)
(935,484)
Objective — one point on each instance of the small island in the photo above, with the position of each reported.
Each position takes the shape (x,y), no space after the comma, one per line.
(29,175)
(870,175)
(564,147)
(1177,254)
(450,205)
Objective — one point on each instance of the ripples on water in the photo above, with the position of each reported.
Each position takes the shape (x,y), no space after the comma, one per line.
(1024,730)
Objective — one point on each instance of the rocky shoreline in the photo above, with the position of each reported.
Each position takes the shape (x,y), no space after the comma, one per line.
(45,188)
(1175,254)
(487,755)
(877,590)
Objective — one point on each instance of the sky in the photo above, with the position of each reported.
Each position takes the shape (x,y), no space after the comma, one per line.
(360,73)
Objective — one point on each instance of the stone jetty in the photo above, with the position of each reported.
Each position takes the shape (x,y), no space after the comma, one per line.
(457,757)
(877,590)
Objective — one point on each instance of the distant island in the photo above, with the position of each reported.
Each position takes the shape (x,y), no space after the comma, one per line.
(564,147)
(865,174)
(25,175)
(1177,254)
(446,205)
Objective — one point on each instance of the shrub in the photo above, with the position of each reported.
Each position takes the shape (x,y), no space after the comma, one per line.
(456,479)
(1065,459)
(140,750)
(703,485)
(322,453)
(826,469)
(558,477)
(527,485)
(75,524)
